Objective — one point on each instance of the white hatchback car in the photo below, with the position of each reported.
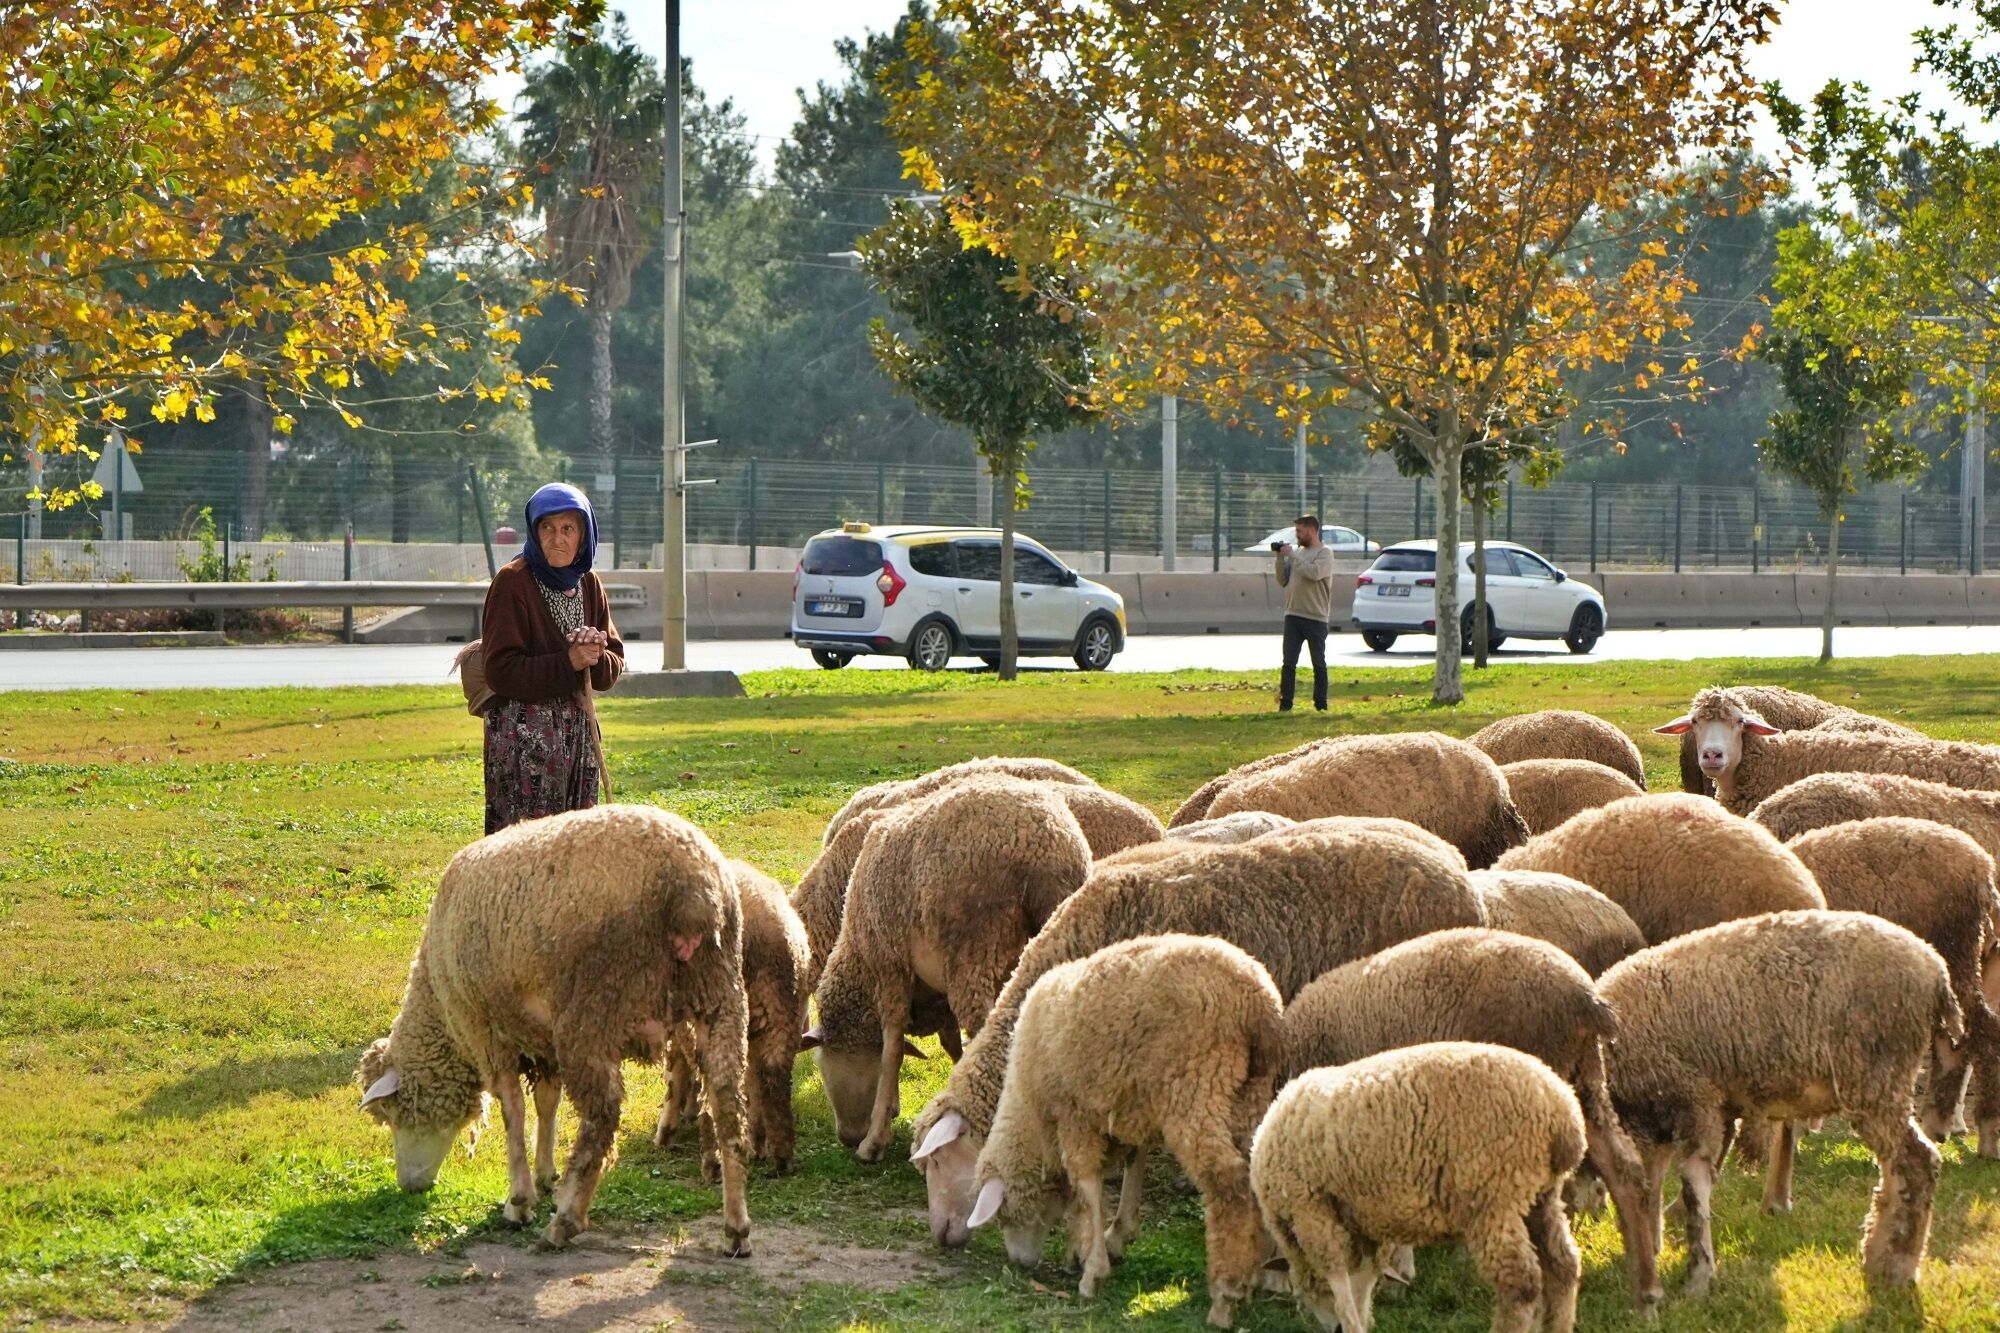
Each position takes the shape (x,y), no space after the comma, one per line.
(929,594)
(1339,540)
(1527,598)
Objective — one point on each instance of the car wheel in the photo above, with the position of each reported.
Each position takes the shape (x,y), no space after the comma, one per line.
(1378,641)
(1493,640)
(1585,629)
(1095,647)
(829,660)
(930,647)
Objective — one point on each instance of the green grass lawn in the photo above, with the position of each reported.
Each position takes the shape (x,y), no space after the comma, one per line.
(208,902)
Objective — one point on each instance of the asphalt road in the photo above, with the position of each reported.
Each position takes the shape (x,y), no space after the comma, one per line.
(425,664)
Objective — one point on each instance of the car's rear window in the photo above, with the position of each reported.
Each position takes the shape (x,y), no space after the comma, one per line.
(932,558)
(841,555)
(1405,560)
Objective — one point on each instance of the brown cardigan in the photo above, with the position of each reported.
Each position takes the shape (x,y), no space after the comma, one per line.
(527,657)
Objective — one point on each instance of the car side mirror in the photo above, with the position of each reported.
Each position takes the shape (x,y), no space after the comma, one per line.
(1069,578)
(1562,576)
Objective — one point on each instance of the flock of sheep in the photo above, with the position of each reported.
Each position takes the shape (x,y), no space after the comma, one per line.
(1372,993)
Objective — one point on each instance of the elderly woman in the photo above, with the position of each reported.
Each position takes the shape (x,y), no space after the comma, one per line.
(547,636)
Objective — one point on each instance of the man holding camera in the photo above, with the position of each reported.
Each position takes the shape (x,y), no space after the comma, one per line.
(1305,572)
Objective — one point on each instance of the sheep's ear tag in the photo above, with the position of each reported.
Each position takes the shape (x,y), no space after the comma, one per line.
(946,1130)
(1680,726)
(991,1195)
(912,1051)
(384,1086)
(809,1039)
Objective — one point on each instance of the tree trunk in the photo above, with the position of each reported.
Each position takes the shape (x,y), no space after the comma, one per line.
(256,461)
(1832,582)
(1010,635)
(1480,615)
(601,447)
(1446,685)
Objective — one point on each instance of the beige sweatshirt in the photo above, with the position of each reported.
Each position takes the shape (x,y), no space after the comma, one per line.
(1307,578)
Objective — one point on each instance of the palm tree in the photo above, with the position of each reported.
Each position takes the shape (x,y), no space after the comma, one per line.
(592,129)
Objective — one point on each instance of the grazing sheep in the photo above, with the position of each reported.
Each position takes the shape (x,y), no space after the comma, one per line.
(1825,799)
(1548,792)
(1400,828)
(1196,807)
(1937,883)
(1447,1140)
(1748,759)
(946,893)
(1110,823)
(1239,827)
(1165,1039)
(1300,902)
(1674,862)
(1560,733)
(1782,1017)
(904,790)
(1568,913)
(1489,986)
(776,964)
(564,946)
(1433,780)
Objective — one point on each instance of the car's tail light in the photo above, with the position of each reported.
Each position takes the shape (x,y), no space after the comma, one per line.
(1363,580)
(1427,583)
(798,567)
(891,584)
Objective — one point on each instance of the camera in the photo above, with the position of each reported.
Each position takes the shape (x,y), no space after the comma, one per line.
(1280,544)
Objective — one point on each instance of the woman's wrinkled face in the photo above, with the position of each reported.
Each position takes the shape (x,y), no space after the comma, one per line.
(561,535)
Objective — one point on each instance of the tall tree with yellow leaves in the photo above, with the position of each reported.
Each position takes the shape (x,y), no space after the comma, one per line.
(225,142)
(1389,195)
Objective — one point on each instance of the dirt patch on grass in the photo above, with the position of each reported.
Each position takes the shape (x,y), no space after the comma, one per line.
(605,1280)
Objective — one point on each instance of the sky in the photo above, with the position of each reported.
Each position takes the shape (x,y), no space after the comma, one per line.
(760,52)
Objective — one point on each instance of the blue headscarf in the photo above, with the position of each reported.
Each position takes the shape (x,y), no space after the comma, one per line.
(555,498)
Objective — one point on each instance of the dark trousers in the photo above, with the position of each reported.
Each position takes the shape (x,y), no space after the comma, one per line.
(1312,633)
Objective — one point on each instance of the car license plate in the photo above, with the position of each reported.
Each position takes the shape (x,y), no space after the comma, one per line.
(1393,590)
(833,606)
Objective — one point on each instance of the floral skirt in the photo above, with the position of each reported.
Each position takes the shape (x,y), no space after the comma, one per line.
(539,760)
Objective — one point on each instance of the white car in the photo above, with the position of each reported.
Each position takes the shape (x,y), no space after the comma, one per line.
(1339,540)
(930,594)
(1527,598)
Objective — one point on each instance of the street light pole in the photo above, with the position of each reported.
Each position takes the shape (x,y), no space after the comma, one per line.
(673,627)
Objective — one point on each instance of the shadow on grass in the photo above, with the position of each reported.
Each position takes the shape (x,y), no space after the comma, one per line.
(232,1083)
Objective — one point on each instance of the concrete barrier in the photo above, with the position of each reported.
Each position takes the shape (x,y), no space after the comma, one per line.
(1207,603)
(741,606)
(738,604)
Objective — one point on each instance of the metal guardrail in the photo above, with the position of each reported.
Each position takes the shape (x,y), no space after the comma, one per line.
(260,596)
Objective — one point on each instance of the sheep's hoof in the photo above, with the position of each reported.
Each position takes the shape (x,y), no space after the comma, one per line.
(546,1183)
(1222,1312)
(735,1242)
(869,1151)
(1989,1143)
(1088,1284)
(663,1137)
(1698,1283)
(711,1169)
(1275,1276)
(1777,1207)
(782,1165)
(517,1210)
(561,1230)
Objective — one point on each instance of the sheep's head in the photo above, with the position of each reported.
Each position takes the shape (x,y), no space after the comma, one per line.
(847,1044)
(424,1103)
(1719,720)
(949,1158)
(1025,1215)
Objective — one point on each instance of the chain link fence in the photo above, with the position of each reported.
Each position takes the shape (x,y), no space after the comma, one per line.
(413,517)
